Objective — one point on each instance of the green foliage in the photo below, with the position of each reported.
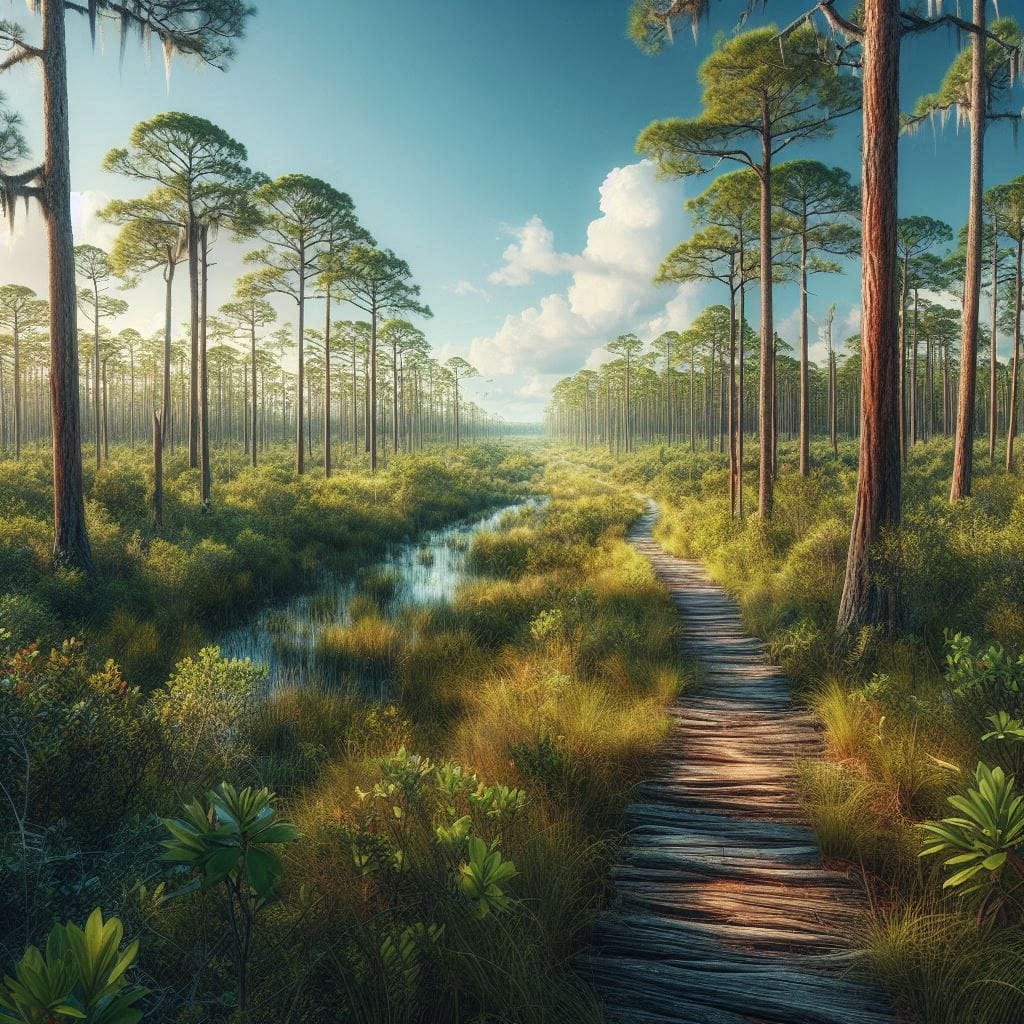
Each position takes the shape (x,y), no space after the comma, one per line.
(231,845)
(985,841)
(56,716)
(1004,728)
(482,876)
(230,841)
(955,88)
(526,710)
(803,94)
(987,679)
(79,976)
(206,710)
(161,596)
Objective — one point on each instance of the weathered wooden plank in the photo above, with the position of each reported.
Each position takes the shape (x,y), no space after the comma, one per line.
(723,912)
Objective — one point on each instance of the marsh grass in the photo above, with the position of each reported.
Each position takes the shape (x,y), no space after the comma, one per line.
(549,672)
(159,595)
(941,969)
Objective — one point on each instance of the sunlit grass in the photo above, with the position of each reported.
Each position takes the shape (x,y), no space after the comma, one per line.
(895,745)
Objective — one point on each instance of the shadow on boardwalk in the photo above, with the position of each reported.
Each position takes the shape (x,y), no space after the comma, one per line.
(724,913)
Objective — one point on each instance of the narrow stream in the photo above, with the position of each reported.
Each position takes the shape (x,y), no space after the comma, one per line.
(285,637)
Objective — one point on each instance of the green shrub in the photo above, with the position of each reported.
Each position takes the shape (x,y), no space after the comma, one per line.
(986,843)
(76,745)
(206,711)
(81,975)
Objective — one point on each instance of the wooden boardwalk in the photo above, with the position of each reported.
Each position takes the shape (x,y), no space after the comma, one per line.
(724,913)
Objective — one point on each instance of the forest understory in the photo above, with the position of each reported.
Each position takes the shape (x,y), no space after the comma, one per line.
(442,856)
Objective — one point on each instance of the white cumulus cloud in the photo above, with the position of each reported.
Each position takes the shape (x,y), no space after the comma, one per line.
(532,252)
(463,288)
(610,289)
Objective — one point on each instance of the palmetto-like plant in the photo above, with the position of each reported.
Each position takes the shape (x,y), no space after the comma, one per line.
(482,875)
(80,976)
(231,843)
(986,841)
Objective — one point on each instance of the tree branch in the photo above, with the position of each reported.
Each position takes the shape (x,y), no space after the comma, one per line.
(915,23)
(837,22)
(20,55)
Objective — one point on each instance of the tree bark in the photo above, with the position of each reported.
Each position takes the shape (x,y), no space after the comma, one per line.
(300,463)
(252,386)
(158,472)
(963,451)
(805,384)
(70,540)
(97,396)
(913,373)
(372,416)
(740,392)
(327,387)
(904,293)
(16,371)
(992,382)
(866,600)
(193,376)
(1011,428)
(732,400)
(205,474)
(394,396)
(165,402)
(766,477)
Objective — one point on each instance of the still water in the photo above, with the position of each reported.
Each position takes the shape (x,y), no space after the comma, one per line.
(413,573)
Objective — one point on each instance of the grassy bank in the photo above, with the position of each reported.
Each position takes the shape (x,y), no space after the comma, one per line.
(452,846)
(904,719)
(160,594)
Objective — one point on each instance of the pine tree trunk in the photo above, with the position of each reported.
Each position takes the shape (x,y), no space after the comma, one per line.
(131,406)
(993,425)
(300,463)
(766,478)
(71,541)
(1011,429)
(865,599)
(458,436)
(833,432)
(904,293)
(103,399)
(16,370)
(805,381)
(740,393)
(963,451)
(327,387)
(97,396)
(252,387)
(193,378)
(158,472)
(732,399)
(355,405)
(372,415)
(913,375)
(394,396)
(205,475)
(165,402)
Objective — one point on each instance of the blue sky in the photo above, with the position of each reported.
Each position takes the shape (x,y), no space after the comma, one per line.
(461,129)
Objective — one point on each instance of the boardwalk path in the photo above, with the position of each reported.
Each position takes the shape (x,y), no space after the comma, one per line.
(724,913)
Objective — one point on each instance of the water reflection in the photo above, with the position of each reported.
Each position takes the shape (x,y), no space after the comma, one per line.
(285,637)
